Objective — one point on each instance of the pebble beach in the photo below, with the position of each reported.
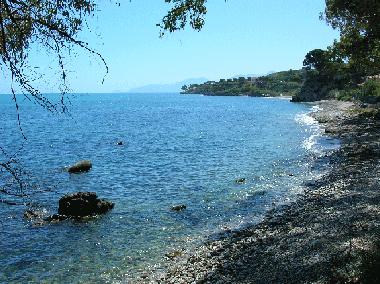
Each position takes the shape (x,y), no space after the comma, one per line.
(327,235)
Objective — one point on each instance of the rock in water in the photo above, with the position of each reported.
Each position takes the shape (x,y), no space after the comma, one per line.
(179,207)
(33,214)
(55,218)
(81,204)
(240,180)
(81,166)
(173,254)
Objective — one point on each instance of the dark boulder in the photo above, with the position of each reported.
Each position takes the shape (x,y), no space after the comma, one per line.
(81,204)
(80,167)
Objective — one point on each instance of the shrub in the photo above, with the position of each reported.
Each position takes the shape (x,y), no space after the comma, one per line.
(370,91)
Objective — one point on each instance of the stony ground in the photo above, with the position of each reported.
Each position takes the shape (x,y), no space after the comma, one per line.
(323,237)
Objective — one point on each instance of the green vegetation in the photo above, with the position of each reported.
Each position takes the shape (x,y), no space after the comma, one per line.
(286,83)
(349,69)
(368,92)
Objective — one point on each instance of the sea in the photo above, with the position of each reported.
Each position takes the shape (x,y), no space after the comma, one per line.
(176,149)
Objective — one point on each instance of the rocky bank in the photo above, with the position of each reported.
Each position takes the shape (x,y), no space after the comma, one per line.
(328,235)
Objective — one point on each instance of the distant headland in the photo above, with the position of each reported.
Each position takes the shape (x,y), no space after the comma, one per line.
(285,83)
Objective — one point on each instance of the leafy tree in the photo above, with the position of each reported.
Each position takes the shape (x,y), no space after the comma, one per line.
(316,59)
(182,13)
(346,64)
(358,23)
(52,25)
(355,17)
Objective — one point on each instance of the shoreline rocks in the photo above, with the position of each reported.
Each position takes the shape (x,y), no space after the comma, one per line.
(321,237)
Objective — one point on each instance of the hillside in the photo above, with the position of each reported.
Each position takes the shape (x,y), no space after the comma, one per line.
(285,83)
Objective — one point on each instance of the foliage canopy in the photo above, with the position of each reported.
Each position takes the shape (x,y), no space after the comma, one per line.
(349,62)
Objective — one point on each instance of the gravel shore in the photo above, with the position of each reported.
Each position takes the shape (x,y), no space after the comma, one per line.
(325,236)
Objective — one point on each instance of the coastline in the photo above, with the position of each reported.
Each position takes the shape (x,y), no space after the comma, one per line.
(322,237)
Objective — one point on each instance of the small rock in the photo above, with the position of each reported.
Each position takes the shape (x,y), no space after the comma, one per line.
(81,166)
(179,207)
(240,180)
(226,229)
(144,275)
(310,183)
(173,254)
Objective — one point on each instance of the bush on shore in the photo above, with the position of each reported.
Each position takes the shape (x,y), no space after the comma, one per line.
(368,92)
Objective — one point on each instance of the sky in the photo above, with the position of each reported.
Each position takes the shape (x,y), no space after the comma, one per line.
(240,37)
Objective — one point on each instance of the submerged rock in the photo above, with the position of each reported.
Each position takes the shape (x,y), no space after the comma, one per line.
(178,207)
(173,254)
(81,204)
(55,218)
(33,214)
(81,166)
(240,180)
(310,183)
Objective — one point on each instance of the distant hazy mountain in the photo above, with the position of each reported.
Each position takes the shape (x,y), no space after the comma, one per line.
(167,88)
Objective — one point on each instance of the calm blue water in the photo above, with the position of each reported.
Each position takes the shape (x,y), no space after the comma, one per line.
(177,150)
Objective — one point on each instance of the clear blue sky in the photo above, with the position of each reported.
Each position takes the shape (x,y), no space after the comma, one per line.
(239,37)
